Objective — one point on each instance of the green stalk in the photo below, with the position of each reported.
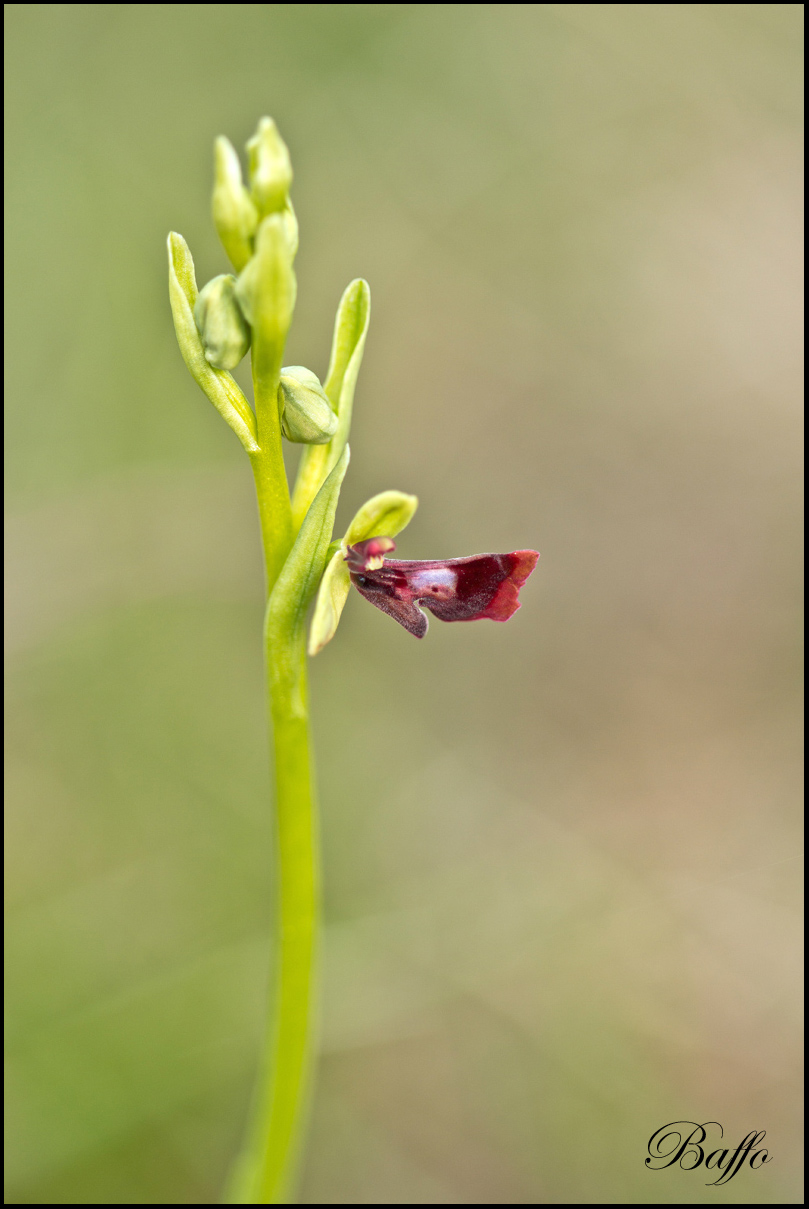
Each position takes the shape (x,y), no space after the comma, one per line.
(292,1037)
(272,488)
(267,1169)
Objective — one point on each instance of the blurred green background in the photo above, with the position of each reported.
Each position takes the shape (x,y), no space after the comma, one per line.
(561,855)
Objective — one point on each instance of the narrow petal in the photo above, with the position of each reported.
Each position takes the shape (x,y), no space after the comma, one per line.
(400,607)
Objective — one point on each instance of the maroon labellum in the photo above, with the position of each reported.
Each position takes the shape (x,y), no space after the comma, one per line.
(453,589)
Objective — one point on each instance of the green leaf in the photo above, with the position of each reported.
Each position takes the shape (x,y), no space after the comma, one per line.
(384,515)
(303,570)
(350,330)
(348,345)
(217,384)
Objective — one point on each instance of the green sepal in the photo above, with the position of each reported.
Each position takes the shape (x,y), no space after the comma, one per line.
(270,168)
(224,330)
(306,414)
(217,384)
(348,344)
(234,212)
(384,515)
(302,571)
(331,599)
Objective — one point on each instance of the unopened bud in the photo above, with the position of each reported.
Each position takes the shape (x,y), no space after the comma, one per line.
(306,414)
(221,324)
(270,168)
(234,211)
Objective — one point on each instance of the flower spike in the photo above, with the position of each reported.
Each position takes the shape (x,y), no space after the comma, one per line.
(250,310)
(453,589)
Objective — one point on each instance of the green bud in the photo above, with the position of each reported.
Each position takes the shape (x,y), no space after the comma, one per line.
(270,168)
(384,515)
(217,384)
(221,324)
(234,212)
(306,414)
(265,289)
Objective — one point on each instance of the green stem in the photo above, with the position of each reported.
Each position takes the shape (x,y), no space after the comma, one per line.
(268,1168)
(266,1171)
(272,488)
(298,918)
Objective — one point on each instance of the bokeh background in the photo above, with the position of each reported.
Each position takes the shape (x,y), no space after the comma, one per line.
(562,868)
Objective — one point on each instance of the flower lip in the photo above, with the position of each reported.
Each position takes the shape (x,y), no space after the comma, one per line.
(453,589)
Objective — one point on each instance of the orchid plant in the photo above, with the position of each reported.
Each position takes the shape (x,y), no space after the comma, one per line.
(251,310)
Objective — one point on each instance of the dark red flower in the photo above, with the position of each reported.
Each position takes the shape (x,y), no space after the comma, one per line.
(453,589)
